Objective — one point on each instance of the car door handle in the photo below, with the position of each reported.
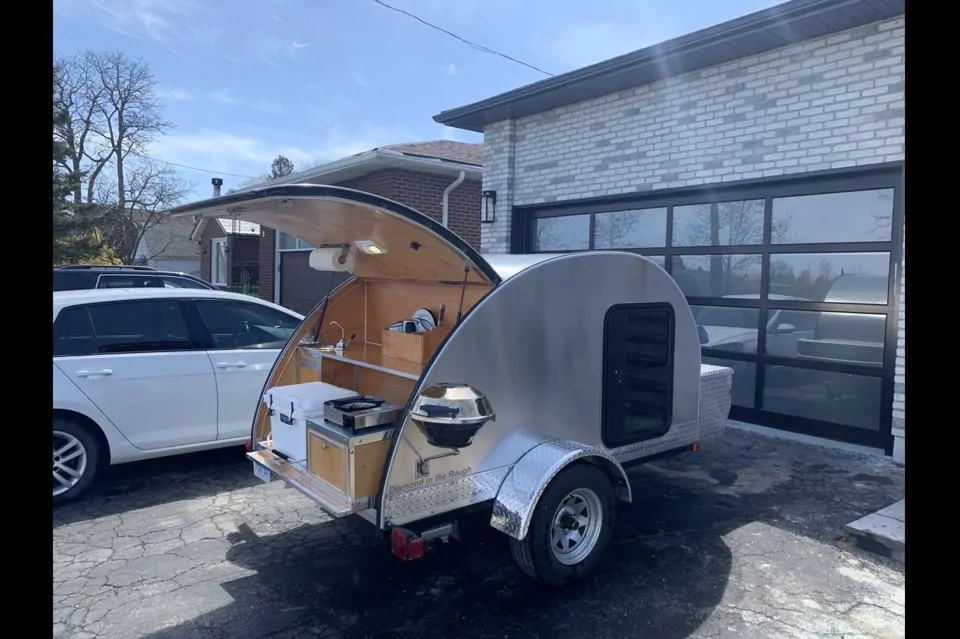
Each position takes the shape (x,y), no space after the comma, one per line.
(231,365)
(103,372)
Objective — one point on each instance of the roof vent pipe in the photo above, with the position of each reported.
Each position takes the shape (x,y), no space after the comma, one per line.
(217,183)
(446,195)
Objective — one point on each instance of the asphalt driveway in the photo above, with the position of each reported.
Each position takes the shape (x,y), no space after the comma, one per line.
(741,540)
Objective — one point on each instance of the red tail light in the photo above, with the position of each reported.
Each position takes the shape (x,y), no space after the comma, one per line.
(249,446)
(406,545)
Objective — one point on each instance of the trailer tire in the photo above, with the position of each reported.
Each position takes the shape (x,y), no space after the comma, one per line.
(543,554)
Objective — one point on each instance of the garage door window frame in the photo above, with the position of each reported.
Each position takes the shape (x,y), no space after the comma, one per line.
(874,177)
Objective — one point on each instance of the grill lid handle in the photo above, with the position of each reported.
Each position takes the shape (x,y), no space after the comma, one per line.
(433,410)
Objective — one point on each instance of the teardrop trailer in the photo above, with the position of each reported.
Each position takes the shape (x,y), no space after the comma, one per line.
(435,380)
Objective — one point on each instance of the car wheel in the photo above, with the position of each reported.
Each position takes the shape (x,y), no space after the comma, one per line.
(571,527)
(76,459)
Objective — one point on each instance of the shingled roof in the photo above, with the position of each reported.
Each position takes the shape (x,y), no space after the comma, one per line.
(464,152)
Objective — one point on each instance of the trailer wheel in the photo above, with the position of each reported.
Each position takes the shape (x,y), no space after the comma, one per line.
(571,527)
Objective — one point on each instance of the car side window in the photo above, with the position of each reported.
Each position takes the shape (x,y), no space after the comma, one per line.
(73,334)
(141,326)
(242,325)
(170,281)
(127,281)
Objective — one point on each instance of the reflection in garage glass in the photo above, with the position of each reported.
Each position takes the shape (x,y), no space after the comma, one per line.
(570,233)
(862,277)
(841,398)
(845,338)
(719,224)
(826,218)
(630,229)
(717,275)
(728,328)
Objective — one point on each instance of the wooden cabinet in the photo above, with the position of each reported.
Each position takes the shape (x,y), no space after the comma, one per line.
(351,465)
(327,460)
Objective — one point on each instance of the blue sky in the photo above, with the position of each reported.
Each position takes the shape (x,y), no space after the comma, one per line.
(246,80)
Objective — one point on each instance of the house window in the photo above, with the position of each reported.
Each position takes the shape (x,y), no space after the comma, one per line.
(287,242)
(218,261)
(637,373)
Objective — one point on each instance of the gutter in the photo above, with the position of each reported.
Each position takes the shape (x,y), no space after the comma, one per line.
(446,195)
(367,157)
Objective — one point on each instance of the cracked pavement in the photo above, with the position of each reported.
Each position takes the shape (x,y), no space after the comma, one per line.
(741,540)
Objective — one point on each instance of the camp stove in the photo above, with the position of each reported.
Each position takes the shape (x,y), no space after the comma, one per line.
(361,412)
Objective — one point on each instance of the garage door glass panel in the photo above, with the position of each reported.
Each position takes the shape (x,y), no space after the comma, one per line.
(144,326)
(738,223)
(856,216)
(717,275)
(844,278)
(630,229)
(744,379)
(569,233)
(839,398)
(727,328)
(838,338)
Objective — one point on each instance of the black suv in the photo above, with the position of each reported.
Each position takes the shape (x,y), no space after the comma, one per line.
(80,277)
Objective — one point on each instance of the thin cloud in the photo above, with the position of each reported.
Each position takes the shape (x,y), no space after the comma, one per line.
(272,49)
(449,133)
(160,20)
(175,94)
(227,97)
(360,80)
(204,35)
(452,69)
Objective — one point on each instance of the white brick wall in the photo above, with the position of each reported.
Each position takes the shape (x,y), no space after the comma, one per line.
(829,103)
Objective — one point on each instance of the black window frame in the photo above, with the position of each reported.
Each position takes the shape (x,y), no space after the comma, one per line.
(194,341)
(879,176)
(611,350)
(206,337)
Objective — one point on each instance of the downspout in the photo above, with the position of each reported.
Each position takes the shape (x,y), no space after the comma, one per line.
(446,195)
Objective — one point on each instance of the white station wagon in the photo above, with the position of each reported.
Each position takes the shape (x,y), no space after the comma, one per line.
(142,373)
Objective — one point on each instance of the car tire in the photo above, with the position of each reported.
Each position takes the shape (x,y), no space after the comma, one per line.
(78,461)
(579,502)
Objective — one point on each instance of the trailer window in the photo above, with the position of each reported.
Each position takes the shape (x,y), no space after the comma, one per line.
(638,373)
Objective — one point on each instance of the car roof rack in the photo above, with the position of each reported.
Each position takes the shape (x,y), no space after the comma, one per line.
(117,267)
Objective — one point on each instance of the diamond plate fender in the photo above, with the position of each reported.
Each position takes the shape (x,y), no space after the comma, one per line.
(521,490)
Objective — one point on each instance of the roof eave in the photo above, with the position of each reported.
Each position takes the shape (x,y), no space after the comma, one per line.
(773,25)
(371,161)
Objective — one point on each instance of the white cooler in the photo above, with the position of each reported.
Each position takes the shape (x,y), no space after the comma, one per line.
(291,407)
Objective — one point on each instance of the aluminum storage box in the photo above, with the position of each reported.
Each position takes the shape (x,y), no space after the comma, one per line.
(291,407)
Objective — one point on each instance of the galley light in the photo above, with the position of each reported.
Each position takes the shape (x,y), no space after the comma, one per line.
(370,247)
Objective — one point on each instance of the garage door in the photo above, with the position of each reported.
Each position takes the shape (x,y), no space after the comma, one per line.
(793,283)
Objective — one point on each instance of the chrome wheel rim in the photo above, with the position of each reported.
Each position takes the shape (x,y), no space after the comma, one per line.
(69,462)
(576,526)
